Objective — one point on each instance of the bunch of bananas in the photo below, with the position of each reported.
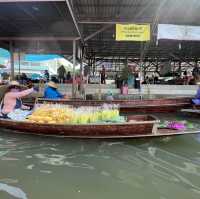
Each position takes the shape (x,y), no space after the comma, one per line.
(51,115)
(65,115)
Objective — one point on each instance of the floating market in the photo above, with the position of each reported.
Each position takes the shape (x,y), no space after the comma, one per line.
(99,99)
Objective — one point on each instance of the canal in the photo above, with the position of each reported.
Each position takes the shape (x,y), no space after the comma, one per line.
(34,167)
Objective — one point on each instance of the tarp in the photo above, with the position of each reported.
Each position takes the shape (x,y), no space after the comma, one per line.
(178,32)
(4,56)
(4,53)
(32,57)
(132,32)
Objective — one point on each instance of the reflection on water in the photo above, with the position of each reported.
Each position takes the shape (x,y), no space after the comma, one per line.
(33,167)
(13,191)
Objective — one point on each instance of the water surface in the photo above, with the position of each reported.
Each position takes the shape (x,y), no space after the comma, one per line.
(34,167)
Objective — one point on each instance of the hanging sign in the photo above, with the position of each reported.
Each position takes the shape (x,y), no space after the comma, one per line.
(178,32)
(132,32)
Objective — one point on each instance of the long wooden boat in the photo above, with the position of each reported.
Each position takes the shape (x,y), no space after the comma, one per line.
(139,126)
(142,106)
(135,125)
(194,112)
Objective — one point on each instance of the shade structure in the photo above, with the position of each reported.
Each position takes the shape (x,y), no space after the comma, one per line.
(2,66)
(45,27)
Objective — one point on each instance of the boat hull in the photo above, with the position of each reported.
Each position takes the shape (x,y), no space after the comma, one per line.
(42,131)
(126,106)
(136,125)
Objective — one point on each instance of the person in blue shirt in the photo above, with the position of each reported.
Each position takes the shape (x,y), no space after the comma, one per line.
(196,101)
(51,91)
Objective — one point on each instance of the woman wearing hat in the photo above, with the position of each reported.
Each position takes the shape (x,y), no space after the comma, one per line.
(12,99)
(196,101)
(51,91)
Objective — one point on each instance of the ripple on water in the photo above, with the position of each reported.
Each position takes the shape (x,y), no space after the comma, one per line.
(159,169)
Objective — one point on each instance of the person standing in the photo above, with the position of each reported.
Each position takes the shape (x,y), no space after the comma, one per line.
(46,75)
(185,78)
(69,77)
(196,73)
(103,75)
(78,82)
(196,100)
(61,74)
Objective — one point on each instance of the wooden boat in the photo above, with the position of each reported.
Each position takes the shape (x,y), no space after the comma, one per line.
(195,112)
(138,126)
(142,106)
(135,125)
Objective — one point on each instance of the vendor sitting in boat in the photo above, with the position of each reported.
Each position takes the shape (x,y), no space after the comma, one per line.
(51,91)
(12,99)
(196,101)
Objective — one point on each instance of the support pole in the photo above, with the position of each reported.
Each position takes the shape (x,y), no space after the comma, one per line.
(74,20)
(12,69)
(82,88)
(74,64)
(19,60)
(140,72)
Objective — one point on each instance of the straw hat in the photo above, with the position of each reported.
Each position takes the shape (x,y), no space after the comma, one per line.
(52,84)
(5,88)
(14,83)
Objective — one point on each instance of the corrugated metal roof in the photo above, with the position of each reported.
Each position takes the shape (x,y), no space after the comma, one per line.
(94,14)
(53,19)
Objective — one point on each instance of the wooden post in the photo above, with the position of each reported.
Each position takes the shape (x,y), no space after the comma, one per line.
(82,88)
(140,72)
(74,64)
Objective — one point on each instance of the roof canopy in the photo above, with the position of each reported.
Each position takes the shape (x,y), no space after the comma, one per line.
(46,26)
(37,26)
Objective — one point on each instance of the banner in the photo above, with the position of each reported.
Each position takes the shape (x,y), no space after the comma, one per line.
(132,32)
(178,32)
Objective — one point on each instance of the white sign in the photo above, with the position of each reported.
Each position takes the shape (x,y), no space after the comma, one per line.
(178,32)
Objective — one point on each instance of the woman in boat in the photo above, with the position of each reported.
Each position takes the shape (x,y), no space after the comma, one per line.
(51,91)
(196,101)
(12,99)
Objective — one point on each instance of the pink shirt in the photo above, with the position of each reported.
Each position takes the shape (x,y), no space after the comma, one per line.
(78,80)
(9,100)
(125,90)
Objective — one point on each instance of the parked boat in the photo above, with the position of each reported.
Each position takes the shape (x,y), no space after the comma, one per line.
(134,126)
(137,126)
(195,112)
(143,106)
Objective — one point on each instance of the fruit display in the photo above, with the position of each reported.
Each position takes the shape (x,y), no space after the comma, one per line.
(62,114)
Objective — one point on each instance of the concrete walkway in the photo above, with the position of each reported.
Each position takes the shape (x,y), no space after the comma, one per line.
(172,90)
